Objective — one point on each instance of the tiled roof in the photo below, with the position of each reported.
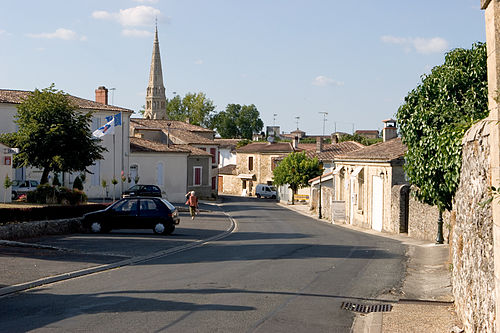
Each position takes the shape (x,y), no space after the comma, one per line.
(385,151)
(227,143)
(331,151)
(367,132)
(228,170)
(194,151)
(143,145)
(266,147)
(188,137)
(17,96)
(163,124)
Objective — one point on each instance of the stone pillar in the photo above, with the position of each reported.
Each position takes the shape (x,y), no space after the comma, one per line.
(492,18)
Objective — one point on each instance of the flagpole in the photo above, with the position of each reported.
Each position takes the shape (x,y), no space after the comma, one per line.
(121,119)
(114,163)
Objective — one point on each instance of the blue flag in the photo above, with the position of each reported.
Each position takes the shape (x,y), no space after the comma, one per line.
(118,119)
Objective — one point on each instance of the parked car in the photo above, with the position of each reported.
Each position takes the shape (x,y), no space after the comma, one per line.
(20,187)
(134,213)
(265,191)
(142,190)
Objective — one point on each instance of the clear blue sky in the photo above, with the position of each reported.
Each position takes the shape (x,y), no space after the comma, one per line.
(356,60)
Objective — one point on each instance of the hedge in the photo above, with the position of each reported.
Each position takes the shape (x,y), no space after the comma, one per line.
(12,215)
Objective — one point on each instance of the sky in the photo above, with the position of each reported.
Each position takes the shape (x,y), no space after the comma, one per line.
(307,64)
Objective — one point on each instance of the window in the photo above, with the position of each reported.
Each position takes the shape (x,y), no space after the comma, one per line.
(159,173)
(214,183)
(127,206)
(197,175)
(361,185)
(274,163)
(148,206)
(341,185)
(213,152)
(250,163)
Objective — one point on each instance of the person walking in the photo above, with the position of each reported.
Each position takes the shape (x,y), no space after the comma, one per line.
(192,202)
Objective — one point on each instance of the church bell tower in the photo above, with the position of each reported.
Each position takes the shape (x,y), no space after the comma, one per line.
(155,94)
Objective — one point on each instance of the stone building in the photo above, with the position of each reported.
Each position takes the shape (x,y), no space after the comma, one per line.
(363,181)
(155,92)
(255,163)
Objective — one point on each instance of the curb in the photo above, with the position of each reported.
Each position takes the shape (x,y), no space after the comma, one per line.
(127,262)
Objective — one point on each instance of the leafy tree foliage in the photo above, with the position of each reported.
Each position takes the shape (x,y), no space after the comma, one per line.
(295,170)
(238,121)
(434,118)
(52,136)
(195,107)
(359,138)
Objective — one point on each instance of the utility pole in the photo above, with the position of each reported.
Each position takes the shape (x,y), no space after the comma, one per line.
(324,120)
(274,119)
(112,95)
(297,121)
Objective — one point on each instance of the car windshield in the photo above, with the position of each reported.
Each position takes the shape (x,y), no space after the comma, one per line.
(169,205)
(272,188)
(16,182)
(135,188)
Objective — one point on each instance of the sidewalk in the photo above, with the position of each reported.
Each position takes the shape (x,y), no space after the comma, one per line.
(425,302)
(33,262)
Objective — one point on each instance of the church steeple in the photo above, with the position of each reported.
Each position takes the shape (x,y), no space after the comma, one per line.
(155,94)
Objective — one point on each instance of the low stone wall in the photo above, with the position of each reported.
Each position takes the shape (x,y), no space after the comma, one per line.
(422,221)
(15,231)
(472,237)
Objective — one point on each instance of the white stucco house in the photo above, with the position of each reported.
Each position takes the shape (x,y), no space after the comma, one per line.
(116,158)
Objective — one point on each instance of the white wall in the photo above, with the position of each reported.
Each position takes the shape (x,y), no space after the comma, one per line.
(174,172)
(121,155)
(226,157)
(5,194)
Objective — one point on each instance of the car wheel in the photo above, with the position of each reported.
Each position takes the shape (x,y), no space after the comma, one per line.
(97,227)
(170,229)
(159,228)
(273,197)
(258,195)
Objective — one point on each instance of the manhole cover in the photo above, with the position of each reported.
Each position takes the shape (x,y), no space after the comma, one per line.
(363,308)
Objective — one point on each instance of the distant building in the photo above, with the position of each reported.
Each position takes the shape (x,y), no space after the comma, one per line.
(369,134)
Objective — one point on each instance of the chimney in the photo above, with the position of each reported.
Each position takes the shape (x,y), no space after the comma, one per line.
(319,144)
(334,138)
(101,95)
(295,142)
(390,130)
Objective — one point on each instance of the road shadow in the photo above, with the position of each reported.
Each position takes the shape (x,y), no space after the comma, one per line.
(34,310)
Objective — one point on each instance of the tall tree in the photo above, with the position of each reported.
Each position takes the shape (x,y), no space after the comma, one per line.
(237,121)
(295,170)
(434,118)
(52,135)
(195,107)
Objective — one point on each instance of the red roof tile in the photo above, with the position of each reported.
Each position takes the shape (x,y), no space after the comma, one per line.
(17,97)
(385,151)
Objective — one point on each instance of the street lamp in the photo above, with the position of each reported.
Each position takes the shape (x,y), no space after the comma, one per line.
(319,204)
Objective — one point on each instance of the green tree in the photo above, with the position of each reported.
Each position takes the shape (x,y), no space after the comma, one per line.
(52,135)
(434,118)
(6,184)
(295,170)
(359,138)
(195,107)
(238,121)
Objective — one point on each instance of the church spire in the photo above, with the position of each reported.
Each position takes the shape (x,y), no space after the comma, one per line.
(155,94)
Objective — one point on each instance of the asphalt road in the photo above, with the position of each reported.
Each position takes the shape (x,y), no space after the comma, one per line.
(278,272)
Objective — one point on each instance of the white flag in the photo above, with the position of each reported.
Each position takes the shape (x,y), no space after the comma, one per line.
(108,128)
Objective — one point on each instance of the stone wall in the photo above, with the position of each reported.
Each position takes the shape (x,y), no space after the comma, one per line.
(422,221)
(16,231)
(472,236)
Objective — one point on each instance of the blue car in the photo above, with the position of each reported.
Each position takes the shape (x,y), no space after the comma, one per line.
(134,213)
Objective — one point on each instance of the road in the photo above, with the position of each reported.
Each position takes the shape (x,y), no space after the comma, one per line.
(278,272)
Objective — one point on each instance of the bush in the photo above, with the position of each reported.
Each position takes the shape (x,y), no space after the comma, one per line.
(10,215)
(78,184)
(46,194)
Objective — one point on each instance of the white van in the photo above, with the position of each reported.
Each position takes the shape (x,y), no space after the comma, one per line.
(265,191)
